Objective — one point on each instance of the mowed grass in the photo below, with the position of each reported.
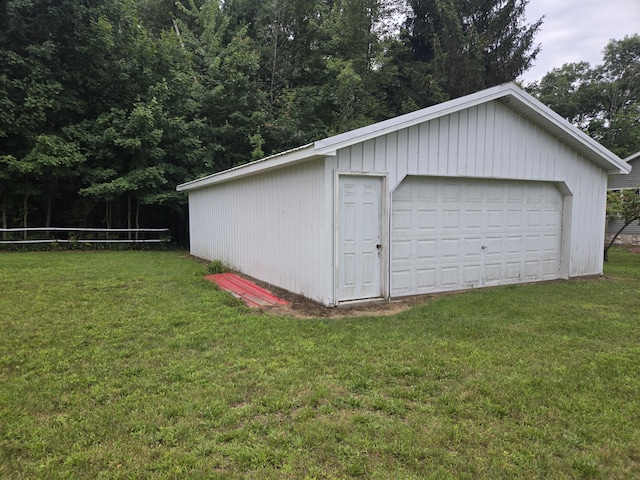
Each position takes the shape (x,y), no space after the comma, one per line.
(130,365)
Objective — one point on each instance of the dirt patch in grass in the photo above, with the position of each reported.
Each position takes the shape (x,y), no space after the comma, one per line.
(302,307)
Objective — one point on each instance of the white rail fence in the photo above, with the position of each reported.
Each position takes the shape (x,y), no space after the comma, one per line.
(81,235)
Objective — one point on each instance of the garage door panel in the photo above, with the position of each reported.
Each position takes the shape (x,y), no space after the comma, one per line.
(426,279)
(426,249)
(549,244)
(532,244)
(493,273)
(512,271)
(472,248)
(451,193)
(472,275)
(462,233)
(402,195)
(449,276)
(473,219)
(533,195)
(402,219)
(450,248)
(531,270)
(401,250)
(401,281)
(514,218)
(515,195)
(474,194)
(427,220)
(450,219)
(494,246)
(427,193)
(495,195)
(512,245)
(550,269)
(533,218)
(495,219)
(552,217)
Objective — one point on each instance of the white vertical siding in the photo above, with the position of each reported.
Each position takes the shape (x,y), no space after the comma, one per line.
(589,211)
(492,141)
(276,227)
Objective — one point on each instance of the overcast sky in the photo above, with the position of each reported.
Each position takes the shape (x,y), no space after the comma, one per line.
(578,30)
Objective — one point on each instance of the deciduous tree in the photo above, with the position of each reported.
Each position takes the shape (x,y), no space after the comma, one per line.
(603,100)
(623,205)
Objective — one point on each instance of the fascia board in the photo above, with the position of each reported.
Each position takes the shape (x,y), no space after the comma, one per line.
(263,165)
(630,158)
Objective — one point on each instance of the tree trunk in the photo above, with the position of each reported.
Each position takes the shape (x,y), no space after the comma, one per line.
(615,236)
(47,222)
(137,217)
(175,26)
(25,214)
(274,62)
(4,216)
(129,215)
(107,214)
(87,205)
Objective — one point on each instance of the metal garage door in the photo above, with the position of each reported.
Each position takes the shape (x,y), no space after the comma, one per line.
(451,234)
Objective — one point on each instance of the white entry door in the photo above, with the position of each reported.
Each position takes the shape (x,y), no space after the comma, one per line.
(359,237)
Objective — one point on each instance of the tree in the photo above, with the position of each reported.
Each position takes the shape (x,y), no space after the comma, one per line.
(52,160)
(29,97)
(571,92)
(22,187)
(107,106)
(622,205)
(603,100)
(461,47)
(618,122)
(7,179)
(359,67)
(53,73)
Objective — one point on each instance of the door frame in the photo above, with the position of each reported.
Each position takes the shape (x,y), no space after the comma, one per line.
(384,235)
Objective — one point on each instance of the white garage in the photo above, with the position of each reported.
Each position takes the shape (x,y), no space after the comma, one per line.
(489,189)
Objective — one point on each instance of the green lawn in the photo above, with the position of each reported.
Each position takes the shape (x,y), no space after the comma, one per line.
(130,365)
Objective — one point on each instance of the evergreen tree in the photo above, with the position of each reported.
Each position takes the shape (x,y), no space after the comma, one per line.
(457,47)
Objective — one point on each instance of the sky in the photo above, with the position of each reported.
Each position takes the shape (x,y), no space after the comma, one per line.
(577,30)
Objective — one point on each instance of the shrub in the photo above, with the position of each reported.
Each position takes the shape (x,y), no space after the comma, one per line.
(216,266)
